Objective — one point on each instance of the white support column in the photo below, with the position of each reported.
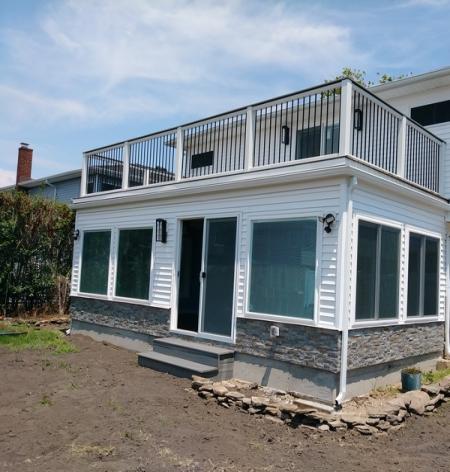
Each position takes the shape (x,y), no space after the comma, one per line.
(84,171)
(179,154)
(345,118)
(442,170)
(126,165)
(249,138)
(401,153)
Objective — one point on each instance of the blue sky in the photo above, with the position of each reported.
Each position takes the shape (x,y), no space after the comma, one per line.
(76,74)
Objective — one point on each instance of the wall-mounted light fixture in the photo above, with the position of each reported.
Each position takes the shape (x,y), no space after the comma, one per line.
(76,234)
(358,119)
(327,221)
(161,230)
(285,135)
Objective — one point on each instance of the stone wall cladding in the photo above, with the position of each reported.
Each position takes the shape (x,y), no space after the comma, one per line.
(143,319)
(301,345)
(372,346)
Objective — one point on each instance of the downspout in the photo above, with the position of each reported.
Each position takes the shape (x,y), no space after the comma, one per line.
(347,217)
(447,292)
(54,189)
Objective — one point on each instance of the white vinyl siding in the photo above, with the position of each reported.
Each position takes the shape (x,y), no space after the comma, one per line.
(308,201)
(372,204)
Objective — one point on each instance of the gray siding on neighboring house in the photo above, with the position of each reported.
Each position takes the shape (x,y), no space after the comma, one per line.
(63,191)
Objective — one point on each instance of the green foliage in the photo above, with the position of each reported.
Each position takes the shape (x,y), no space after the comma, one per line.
(35,252)
(434,376)
(37,339)
(360,77)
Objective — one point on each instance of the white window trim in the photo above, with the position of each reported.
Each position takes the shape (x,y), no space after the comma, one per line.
(431,234)
(281,318)
(115,297)
(354,323)
(100,296)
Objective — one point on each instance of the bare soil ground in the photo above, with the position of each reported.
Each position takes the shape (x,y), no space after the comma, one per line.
(97,410)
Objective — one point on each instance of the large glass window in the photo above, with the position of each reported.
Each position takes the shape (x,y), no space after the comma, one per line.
(283,268)
(95,262)
(377,271)
(317,140)
(423,275)
(133,263)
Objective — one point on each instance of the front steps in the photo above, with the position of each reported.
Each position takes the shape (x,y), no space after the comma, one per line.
(186,358)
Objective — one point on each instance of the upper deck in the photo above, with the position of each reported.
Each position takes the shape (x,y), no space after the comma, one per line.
(337,119)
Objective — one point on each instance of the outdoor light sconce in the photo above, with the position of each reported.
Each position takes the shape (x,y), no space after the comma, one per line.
(358,119)
(161,230)
(285,135)
(327,221)
(76,234)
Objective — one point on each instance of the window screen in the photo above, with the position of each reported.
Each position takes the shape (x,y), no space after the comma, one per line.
(283,268)
(377,271)
(95,262)
(423,275)
(133,263)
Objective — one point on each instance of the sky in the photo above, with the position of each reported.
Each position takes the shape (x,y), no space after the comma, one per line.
(78,74)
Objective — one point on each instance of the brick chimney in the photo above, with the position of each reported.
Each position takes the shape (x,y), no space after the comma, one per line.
(24,162)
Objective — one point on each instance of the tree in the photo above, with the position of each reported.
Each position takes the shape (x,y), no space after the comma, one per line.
(360,77)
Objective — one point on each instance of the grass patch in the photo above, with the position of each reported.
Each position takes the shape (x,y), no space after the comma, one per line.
(434,376)
(33,338)
(87,449)
(45,401)
(386,391)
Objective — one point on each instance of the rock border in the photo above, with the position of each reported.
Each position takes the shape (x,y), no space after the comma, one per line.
(283,407)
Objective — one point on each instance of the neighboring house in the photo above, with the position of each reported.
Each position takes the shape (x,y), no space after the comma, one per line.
(300,242)
(63,187)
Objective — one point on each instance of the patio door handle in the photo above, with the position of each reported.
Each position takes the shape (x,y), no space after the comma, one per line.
(203,275)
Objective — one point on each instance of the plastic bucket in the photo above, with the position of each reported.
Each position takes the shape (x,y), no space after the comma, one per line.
(411,381)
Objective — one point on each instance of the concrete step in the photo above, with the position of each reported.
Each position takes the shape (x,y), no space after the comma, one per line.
(194,351)
(175,365)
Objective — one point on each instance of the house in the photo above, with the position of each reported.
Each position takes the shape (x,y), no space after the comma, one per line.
(300,242)
(62,187)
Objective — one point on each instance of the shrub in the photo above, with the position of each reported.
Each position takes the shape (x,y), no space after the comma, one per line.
(35,253)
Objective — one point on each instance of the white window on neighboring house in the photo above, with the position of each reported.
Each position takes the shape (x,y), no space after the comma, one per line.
(423,275)
(283,268)
(377,283)
(95,262)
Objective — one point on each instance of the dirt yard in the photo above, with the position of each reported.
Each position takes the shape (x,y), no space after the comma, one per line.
(97,410)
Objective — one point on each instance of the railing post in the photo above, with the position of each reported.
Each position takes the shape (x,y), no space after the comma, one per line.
(84,171)
(179,154)
(401,152)
(345,118)
(126,165)
(249,138)
(441,170)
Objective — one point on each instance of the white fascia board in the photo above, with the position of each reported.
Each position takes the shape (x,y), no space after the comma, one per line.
(71,174)
(325,169)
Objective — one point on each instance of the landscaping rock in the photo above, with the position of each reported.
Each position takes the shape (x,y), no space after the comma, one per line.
(353,419)
(235,395)
(219,390)
(366,429)
(259,402)
(271,411)
(436,400)
(431,389)
(416,401)
(206,388)
(323,427)
(337,425)
(205,395)
(288,408)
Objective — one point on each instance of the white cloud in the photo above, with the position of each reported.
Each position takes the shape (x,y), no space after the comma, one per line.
(108,60)
(7,177)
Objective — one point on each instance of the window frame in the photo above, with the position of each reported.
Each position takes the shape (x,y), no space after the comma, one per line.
(282,318)
(424,234)
(102,296)
(140,301)
(376,321)
(323,139)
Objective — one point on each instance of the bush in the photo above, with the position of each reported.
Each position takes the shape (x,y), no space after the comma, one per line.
(35,253)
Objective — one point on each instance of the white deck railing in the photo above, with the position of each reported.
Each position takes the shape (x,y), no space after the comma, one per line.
(336,119)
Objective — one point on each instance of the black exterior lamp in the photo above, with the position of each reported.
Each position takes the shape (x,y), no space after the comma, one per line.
(76,234)
(327,221)
(358,119)
(161,230)
(285,135)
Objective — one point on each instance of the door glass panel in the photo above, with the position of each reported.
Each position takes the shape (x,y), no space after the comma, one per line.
(389,277)
(219,280)
(190,267)
(414,275)
(95,262)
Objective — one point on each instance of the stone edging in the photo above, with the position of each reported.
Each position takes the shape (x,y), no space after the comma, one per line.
(287,408)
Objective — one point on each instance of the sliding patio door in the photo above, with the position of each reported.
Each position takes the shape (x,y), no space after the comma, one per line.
(206,276)
(218,285)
